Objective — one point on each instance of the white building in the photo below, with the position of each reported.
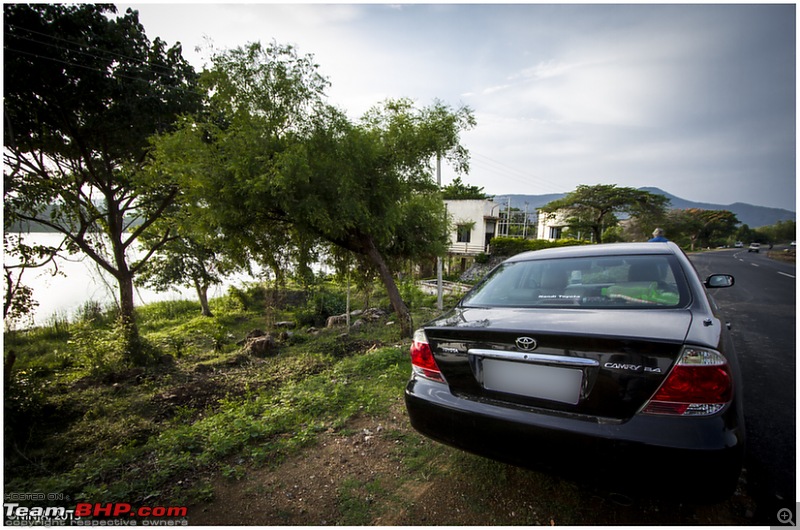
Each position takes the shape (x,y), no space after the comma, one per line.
(551,225)
(474,224)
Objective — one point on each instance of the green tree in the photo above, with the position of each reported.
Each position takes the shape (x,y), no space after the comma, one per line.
(594,209)
(272,158)
(258,99)
(369,187)
(84,91)
(703,227)
(745,233)
(190,259)
(458,190)
(782,231)
(19,257)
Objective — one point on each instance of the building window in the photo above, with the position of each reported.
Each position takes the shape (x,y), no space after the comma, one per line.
(555,232)
(463,233)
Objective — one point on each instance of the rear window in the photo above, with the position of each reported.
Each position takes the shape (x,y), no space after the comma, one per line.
(647,281)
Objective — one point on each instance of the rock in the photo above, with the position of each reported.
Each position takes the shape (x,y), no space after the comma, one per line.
(261,346)
(373,314)
(337,320)
(285,324)
(252,335)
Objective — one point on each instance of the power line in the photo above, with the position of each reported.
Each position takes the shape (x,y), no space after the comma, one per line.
(92,68)
(106,53)
(510,173)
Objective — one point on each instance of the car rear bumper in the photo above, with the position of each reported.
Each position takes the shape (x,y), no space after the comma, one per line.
(695,458)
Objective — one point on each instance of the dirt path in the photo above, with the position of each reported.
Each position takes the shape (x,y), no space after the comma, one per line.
(367,474)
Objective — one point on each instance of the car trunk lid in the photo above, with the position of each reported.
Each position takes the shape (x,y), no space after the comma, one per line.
(601,364)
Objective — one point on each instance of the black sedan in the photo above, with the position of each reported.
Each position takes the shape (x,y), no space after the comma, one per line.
(608,363)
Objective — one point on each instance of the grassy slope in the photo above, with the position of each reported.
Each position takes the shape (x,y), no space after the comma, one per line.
(77,423)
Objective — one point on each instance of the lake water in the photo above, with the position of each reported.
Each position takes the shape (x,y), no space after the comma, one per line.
(82,281)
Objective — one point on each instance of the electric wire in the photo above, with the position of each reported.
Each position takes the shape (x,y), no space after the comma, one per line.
(152,69)
(487,164)
(106,54)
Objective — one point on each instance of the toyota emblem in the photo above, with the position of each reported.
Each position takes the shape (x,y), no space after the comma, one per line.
(526,343)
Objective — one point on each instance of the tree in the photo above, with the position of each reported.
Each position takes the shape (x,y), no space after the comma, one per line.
(189,259)
(782,231)
(226,158)
(703,226)
(594,208)
(458,190)
(710,226)
(84,92)
(273,158)
(19,257)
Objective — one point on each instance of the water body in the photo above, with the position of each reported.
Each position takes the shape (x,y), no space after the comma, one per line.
(81,280)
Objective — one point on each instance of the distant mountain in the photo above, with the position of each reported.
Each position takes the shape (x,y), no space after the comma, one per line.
(752,216)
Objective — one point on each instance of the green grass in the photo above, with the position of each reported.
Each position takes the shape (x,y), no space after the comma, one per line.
(121,432)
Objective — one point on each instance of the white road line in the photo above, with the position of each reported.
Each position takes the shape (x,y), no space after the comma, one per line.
(783,273)
(754,264)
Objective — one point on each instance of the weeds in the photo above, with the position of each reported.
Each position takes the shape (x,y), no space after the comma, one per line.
(101,430)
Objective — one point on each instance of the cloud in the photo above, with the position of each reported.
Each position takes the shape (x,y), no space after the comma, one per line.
(701,97)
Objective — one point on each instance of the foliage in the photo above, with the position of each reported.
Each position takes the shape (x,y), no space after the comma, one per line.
(74,157)
(510,246)
(257,413)
(780,232)
(593,209)
(275,170)
(19,256)
(458,190)
(190,260)
(368,188)
(701,227)
(322,304)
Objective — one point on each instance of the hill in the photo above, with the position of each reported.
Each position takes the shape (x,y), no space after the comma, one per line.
(751,215)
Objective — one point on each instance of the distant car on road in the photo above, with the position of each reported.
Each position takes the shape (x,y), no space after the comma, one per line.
(754,247)
(606,362)
(738,244)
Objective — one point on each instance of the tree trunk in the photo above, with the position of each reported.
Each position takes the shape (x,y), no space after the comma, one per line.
(403,314)
(202,295)
(133,349)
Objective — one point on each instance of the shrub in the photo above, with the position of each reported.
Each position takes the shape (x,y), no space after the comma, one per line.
(320,306)
(510,246)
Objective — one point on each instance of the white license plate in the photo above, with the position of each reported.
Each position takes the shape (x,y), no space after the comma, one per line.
(532,380)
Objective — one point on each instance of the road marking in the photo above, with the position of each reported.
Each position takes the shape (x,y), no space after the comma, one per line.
(789,275)
(754,264)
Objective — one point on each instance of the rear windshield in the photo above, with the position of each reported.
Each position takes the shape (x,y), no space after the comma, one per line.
(651,281)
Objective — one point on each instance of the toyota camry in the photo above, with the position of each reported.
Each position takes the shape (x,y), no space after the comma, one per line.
(608,363)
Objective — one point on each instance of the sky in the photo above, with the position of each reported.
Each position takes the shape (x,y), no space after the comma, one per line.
(698,100)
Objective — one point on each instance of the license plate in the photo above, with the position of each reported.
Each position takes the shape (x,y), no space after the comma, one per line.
(532,380)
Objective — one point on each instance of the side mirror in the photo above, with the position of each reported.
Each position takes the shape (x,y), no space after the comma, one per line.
(717,281)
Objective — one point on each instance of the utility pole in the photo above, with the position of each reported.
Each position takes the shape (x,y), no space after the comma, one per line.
(439,298)
(525,223)
(508,217)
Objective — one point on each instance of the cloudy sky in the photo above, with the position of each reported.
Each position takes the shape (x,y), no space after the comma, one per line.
(698,100)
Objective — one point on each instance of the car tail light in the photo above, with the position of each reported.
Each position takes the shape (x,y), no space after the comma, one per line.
(700,384)
(422,360)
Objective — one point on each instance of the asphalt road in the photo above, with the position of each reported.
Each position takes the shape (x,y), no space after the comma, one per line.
(761,307)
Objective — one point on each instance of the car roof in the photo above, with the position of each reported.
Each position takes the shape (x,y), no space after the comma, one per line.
(605,249)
